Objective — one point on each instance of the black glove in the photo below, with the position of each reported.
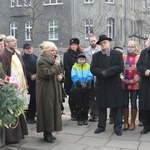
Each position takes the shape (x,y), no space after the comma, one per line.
(78,83)
(103,74)
(84,85)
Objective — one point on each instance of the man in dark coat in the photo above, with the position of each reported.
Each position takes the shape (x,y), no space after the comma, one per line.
(143,66)
(30,63)
(107,65)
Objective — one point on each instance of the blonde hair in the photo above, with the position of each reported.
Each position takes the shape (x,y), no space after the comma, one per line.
(134,43)
(47,46)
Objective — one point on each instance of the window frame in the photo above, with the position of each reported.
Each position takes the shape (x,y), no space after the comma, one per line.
(111,27)
(109,2)
(28,30)
(17,3)
(12,3)
(26,3)
(54,33)
(88,27)
(88,2)
(13,29)
(49,2)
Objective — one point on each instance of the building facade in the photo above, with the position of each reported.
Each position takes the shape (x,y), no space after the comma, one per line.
(59,20)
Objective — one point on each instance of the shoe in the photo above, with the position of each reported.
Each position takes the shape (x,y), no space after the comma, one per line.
(48,137)
(111,121)
(53,137)
(85,122)
(91,119)
(119,133)
(144,131)
(73,119)
(30,121)
(79,123)
(98,130)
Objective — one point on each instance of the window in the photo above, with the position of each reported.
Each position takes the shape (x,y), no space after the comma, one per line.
(52,2)
(28,30)
(13,29)
(12,3)
(88,1)
(109,1)
(88,27)
(27,3)
(19,3)
(110,27)
(53,30)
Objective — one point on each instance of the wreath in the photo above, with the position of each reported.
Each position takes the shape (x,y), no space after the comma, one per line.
(11,101)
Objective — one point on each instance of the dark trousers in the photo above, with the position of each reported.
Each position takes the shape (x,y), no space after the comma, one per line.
(145,118)
(32,108)
(92,103)
(116,115)
(82,105)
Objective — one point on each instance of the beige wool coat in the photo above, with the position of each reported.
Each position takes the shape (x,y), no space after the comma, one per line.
(48,95)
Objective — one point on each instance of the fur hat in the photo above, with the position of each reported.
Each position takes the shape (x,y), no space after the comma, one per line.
(102,38)
(75,41)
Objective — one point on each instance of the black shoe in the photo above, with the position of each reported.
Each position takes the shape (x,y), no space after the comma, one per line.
(80,123)
(144,131)
(30,121)
(119,133)
(85,122)
(98,130)
(48,137)
(53,137)
(111,121)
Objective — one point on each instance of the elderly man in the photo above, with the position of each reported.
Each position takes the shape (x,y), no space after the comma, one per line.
(89,51)
(107,65)
(13,64)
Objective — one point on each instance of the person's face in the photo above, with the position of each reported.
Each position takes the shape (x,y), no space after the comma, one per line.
(11,43)
(105,45)
(28,51)
(92,42)
(74,46)
(51,53)
(81,60)
(131,48)
(1,46)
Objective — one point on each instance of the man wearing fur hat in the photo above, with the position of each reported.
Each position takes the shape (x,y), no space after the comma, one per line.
(107,65)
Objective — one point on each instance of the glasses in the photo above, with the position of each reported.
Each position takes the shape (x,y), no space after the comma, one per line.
(130,47)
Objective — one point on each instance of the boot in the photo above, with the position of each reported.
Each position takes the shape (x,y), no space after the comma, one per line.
(126,116)
(48,137)
(133,117)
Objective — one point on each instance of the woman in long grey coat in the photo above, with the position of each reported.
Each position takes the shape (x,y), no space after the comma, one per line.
(48,92)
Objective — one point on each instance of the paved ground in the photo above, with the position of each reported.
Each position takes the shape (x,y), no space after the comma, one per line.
(74,137)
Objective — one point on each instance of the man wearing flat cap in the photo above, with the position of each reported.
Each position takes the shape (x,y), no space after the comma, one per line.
(107,65)
(30,60)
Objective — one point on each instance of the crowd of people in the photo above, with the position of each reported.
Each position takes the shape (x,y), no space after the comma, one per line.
(95,78)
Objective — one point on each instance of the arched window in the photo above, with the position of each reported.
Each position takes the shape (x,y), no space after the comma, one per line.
(110,27)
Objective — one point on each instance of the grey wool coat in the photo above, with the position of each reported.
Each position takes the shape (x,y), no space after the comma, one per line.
(108,90)
(48,95)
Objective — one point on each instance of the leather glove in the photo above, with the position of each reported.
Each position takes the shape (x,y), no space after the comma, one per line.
(83,85)
(103,74)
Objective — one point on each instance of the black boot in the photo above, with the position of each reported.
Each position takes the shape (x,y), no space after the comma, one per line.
(48,137)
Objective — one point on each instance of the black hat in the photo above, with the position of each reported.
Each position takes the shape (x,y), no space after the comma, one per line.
(74,40)
(81,55)
(26,45)
(102,38)
(118,47)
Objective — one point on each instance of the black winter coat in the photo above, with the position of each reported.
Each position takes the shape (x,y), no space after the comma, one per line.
(70,57)
(30,65)
(144,91)
(108,90)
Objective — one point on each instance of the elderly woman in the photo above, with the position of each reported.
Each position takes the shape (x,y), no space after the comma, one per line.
(48,95)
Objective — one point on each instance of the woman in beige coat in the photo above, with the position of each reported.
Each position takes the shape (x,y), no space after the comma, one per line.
(48,92)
